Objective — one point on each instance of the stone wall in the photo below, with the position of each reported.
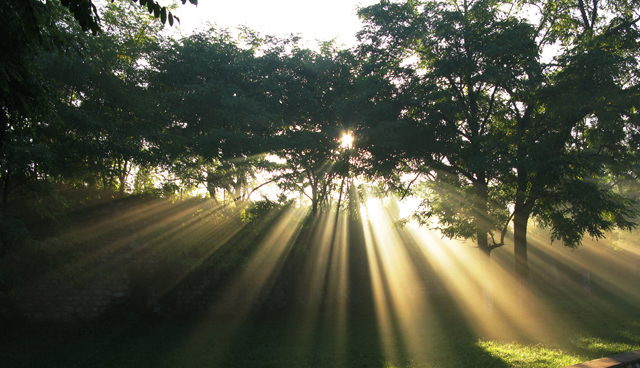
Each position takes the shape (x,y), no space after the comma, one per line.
(132,274)
(626,360)
(64,296)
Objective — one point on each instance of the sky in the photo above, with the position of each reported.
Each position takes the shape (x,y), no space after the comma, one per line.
(313,20)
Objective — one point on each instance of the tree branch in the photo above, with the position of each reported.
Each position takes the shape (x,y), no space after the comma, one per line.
(489,111)
(583,12)
(629,23)
(406,191)
(261,185)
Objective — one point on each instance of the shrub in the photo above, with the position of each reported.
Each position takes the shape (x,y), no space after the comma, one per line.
(259,210)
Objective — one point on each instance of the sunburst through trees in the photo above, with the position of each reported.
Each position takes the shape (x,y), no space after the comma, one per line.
(383,198)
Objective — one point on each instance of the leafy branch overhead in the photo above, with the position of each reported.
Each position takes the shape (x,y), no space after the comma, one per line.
(86,13)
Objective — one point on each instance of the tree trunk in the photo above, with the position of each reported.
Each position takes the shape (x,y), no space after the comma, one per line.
(237,191)
(482,235)
(520,219)
(481,216)
(521,213)
(485,255)
(211,188)
(486,280)
(4,125)
(123,176)
(5,187)
(314,201)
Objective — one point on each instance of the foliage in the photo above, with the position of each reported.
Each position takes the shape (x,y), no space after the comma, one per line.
(580,207)
(497,134)
(144,182)
(450,100)
(217,111)
(588,92)
(258,210)
(25,96)
(106,111)
(473,61)
(86,14)
(315,112)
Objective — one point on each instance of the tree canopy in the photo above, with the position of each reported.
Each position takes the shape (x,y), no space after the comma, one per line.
(500,134)
(458,103)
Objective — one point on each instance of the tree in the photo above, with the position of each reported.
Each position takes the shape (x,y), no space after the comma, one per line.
(31,28)
(24,93)
(74,107)
(472,59)
(570,133)
(216,106)
(504,129)
(236,176)
(107,118)
(315,88)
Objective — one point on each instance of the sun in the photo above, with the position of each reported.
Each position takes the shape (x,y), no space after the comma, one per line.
(346,141)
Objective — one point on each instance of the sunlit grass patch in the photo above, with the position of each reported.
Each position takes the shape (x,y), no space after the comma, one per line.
(604,347)
(517,355)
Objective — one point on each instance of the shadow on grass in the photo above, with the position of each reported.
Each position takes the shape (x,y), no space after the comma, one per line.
(274,338)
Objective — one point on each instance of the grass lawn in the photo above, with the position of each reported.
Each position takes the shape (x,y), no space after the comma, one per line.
(281,340)
(389,322)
